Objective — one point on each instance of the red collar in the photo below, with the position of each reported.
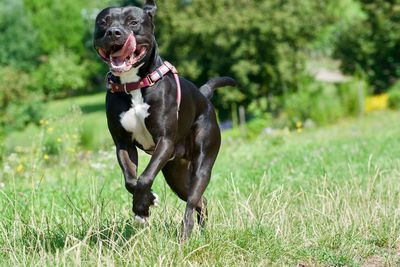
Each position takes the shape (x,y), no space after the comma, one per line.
(147,81)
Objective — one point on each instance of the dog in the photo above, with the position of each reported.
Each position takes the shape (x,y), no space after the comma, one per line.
(150,107)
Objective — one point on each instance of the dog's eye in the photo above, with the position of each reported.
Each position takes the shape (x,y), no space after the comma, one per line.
(104,22)
(132,22)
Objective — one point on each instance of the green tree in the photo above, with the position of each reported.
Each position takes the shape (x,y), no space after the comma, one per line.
(68,62)
(18,38)
(372,45)
(262,44)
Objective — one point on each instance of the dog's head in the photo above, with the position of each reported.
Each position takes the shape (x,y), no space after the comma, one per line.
(124,37)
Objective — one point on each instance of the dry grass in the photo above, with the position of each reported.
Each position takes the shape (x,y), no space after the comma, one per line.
(328,197)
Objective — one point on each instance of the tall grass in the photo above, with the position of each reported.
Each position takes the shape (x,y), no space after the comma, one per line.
(327,197)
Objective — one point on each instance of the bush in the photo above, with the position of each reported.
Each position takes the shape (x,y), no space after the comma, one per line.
(87,135)
(394,96)
(60,74)
(371,44)
(20,106)
(321,102)
(349,95)
(327,106)
(18,42)
(19,114)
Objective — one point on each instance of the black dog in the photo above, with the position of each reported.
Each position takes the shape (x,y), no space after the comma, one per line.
(167,117)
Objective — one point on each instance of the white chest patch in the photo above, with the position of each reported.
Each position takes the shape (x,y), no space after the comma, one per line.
(133,119)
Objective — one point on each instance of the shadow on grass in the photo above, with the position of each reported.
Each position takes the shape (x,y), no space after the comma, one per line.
(90,108)
(57,238)
(109,233)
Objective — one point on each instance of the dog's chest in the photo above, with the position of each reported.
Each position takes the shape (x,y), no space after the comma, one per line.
(133,120)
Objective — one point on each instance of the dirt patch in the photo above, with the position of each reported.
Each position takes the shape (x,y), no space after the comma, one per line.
(374,261)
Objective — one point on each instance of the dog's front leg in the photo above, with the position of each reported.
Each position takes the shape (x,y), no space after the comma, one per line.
(142,196)
(128,160)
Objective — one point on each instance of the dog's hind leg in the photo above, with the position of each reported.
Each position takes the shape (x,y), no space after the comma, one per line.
(202,211)
(207,140)
(177,173)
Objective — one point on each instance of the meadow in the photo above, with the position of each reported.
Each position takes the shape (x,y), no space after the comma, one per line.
(313,197)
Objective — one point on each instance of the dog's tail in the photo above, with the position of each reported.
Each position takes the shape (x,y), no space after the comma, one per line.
(208,89)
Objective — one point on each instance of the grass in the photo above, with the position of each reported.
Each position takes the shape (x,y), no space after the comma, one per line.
(323,197)
(92,125)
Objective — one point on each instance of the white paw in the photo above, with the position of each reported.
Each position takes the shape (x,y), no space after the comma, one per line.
(156,200)
(140,219)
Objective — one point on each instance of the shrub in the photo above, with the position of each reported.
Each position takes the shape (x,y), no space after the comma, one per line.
(326,106)
(370,45)
(349,93)
(87,135)
(19,114)
(394,96)
(321,102)
(61,136)
(18,42)
(61,73)
(20,106)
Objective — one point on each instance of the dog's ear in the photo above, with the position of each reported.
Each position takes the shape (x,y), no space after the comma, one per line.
(150,8)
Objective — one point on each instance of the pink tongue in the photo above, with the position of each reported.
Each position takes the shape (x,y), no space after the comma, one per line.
(129,47)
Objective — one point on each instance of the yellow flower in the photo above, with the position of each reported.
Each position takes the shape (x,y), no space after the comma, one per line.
(44,122)
(20,168)
(46,157)
(377,102)
(50,129)
(299,125)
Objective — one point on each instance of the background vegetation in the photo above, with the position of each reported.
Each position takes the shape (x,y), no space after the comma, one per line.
(284,191)
(46,50)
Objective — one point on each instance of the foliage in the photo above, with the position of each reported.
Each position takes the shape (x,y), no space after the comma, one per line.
(264,51)
(342,15)
(352,95)
(394,96)
(58,23)
(17,111)
(265,45)
(18,40)
(61,73)
(372,45)
(322,103)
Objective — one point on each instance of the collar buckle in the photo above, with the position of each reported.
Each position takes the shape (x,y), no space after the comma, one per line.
(151,82)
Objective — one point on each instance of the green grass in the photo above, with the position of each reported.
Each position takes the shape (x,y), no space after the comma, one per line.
(324,197)
(92,125)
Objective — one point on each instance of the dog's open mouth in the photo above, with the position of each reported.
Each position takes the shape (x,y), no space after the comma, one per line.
(121,58)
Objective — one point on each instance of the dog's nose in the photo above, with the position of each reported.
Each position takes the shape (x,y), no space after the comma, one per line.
(114,33)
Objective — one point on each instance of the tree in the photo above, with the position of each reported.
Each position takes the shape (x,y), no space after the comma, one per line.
(262,44)
(372,45)
(18,38)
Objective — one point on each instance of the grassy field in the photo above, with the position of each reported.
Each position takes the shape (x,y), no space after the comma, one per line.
(323,197)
